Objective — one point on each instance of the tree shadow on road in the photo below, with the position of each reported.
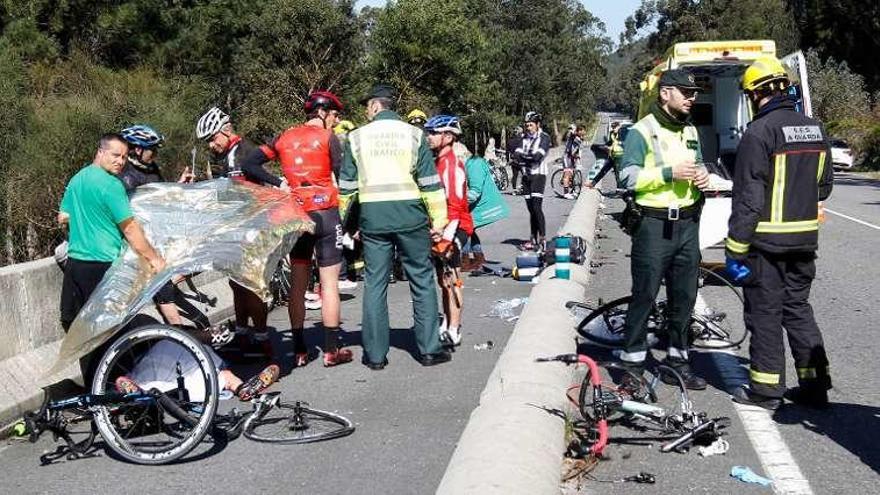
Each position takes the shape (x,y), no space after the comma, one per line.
(855,427)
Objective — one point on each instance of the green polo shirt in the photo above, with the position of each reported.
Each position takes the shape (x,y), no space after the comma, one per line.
(96,202)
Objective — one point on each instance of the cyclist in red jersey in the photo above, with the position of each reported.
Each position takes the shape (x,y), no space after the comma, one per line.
(310,154)
(443,132)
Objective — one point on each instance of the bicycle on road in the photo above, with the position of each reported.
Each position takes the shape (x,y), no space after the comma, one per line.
(168,416)
(714,322)
(639,403)
(498,169)
(566,182)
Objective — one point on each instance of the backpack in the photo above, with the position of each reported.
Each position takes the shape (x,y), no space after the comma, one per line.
(578,250)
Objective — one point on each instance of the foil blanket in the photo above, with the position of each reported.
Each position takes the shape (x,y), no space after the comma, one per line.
(237,228)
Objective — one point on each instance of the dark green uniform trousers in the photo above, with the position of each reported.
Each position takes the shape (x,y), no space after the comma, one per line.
(662,250)
(415,253)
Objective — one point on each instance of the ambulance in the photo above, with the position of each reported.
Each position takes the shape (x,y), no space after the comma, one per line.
(721,111)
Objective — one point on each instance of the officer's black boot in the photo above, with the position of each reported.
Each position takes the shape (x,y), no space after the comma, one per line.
(691,380)
(745,395)
(807,396)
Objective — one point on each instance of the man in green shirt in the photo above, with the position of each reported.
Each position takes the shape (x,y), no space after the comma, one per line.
(659,168)
(95,209)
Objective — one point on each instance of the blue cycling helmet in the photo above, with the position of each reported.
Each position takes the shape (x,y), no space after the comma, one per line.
(142,136)
(443,123)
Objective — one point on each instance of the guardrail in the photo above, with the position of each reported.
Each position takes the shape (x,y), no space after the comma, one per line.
(515,439)
(31,333)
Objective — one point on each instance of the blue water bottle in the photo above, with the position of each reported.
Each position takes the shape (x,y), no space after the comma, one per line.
(563,257)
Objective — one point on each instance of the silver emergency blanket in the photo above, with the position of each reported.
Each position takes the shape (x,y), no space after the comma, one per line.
(237,228)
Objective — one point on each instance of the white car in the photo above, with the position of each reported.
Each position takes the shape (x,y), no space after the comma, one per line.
(841,154)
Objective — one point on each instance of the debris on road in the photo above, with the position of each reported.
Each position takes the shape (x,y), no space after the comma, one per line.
(503,308)
(718,447)
(486,346)
(745,474)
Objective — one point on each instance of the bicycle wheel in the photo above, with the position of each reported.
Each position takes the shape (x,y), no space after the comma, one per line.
(503,178)
(594,402)
(280,284)
(169,421)
(556,183)
(717,321)
(296,423)
(670,403)
(577,182)
(605,325)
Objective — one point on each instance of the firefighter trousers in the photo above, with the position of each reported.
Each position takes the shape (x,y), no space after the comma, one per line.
(776,297)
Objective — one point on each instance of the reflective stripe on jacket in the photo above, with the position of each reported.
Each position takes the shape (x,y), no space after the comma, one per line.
(649,174)
(390,168)
(783,169)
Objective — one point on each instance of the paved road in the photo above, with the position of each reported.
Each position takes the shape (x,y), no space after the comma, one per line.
(836,450)
(409,418)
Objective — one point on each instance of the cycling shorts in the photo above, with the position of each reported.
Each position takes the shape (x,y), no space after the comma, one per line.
(533,185)
(325,243)
(570,161)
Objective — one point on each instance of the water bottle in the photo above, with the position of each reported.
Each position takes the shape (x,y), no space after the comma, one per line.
(563,257)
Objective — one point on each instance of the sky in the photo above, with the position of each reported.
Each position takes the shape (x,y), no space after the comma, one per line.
(612,12)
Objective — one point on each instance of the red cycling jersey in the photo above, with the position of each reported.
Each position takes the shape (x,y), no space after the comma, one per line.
(304,154)
(452,174)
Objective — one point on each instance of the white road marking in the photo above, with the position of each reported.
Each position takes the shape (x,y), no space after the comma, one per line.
(777,461)
(856,220)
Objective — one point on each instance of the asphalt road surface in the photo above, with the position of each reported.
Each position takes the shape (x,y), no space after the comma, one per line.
(832,451)
(408,417)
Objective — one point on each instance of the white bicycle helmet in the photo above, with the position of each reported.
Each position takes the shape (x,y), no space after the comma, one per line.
(211,123)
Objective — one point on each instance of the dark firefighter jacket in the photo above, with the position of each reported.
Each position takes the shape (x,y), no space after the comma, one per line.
(783,169)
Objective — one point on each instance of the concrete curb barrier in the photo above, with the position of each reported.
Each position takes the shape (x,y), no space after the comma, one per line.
(515,439)
(31,335)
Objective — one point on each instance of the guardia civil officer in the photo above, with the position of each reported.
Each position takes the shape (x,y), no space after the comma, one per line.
(389,170)
(783,167)
(659,168)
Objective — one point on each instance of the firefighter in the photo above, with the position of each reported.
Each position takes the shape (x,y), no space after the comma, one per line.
(659,168)
(783,166)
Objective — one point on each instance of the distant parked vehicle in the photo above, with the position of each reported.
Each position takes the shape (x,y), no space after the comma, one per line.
(841,154)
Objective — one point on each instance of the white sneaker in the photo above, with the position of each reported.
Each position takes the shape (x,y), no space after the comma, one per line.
(313,303)
(347,285)
(454,334)
(312,296)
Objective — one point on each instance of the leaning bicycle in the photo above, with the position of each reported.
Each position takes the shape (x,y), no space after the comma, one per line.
(715,321)
(566,182)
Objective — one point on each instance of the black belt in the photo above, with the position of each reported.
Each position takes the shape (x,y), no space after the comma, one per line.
(672,213)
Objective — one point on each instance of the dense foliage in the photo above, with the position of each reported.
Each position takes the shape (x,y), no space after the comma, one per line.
(73,69)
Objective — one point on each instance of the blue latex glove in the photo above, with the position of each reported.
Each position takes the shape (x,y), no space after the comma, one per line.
(743,473)
(737,270)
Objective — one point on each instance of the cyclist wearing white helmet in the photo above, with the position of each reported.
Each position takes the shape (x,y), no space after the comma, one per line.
(228,151)
(443,132)
(531,153)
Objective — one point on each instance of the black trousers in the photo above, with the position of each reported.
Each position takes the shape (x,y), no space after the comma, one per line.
(533,192)
(776,298)
(81,278)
